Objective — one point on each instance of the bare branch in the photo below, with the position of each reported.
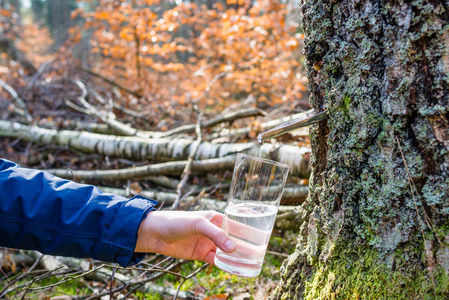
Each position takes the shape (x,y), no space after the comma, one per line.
(77,107)
(22,108)
(118,106)
(108,118)
(186,171)
(39,72)
(65,279)
(229,117)
(188,277)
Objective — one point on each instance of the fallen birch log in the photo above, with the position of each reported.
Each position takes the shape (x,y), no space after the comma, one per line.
(96,128)
(167,168)
(157,149)
(290,217)
(48,262)
(10,259)
(298,193)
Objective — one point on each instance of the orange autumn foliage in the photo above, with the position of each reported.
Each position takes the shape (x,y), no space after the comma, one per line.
(187,53)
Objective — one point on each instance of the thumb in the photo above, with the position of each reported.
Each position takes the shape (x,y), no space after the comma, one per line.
(217,235)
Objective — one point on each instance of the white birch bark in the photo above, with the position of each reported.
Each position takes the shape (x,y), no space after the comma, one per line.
(156,149)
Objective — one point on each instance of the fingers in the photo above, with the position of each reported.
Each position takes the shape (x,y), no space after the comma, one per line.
(216,219)
(209,258)
(215,234)
(212,215)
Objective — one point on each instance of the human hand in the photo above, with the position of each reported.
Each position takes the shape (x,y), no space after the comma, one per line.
(190,235)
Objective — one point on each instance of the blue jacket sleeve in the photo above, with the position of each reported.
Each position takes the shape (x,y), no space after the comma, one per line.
(42,212)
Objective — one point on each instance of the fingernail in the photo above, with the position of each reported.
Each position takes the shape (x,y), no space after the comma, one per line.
(229,246)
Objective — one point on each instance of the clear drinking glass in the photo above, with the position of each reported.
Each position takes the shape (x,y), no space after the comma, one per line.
(256,191)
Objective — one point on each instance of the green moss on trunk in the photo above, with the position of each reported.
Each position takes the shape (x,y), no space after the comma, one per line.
(362,274)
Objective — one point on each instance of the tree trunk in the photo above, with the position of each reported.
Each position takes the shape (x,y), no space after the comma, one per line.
(38,9)
(59,19)
(377,225)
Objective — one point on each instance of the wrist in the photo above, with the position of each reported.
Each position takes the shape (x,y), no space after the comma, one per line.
(146,239)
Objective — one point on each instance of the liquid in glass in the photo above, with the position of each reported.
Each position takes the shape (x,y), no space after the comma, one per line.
(249,225)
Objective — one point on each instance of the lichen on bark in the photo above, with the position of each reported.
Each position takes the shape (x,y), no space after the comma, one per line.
(377,224)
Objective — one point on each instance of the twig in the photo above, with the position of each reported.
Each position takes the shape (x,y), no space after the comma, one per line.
(277,253)
(111,294)
(411,184)
(158,274)
(215,79)
(165,271)
(77,107)
(11,282)
(83,88)
(108,118)
(188,277)
(28,288)
(113,83)
(187,169)
(39,72)
(66,279)
(16,288)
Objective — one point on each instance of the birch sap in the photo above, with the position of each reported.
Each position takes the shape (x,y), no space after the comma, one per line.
(249,225)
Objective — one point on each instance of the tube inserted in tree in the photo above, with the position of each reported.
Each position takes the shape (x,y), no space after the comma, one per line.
(308,118)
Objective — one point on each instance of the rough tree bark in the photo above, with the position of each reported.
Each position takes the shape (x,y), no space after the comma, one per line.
(377,223)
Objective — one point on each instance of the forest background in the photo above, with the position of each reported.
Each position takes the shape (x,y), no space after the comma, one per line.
(151,69)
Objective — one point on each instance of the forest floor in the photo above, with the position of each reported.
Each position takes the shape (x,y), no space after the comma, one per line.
(208,284)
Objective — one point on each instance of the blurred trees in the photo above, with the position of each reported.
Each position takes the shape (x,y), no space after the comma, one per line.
(211,53)
(58,18)
(170,54)
(38,8)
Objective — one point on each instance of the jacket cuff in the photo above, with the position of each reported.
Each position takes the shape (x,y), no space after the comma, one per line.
(122,234)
